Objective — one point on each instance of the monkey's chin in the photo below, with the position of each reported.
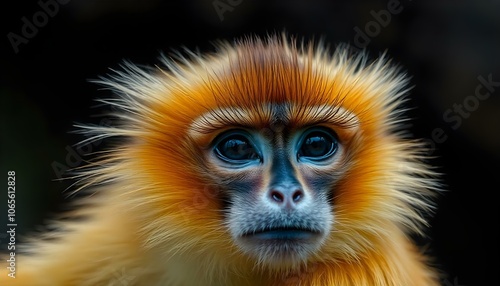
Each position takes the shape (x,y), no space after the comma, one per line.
(281,247)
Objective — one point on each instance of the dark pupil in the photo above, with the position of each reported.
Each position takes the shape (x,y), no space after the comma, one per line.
(237,149)
(316,145)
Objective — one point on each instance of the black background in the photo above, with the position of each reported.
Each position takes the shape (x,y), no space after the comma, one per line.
(446,47)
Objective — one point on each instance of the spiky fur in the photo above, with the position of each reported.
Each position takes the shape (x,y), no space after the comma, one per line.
(155,219)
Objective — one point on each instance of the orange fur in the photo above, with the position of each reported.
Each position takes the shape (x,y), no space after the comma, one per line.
(156,218)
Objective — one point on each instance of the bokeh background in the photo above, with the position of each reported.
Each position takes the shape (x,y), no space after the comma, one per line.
(51,49)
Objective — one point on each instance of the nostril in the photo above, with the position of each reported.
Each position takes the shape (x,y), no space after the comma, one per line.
(277,196)
(297,195)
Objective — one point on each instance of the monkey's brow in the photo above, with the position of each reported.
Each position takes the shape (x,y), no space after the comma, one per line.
(302,116)
(327,114)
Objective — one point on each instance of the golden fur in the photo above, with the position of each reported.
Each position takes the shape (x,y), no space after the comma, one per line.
(156,219)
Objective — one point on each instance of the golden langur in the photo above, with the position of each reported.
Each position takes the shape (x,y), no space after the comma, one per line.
(267,162)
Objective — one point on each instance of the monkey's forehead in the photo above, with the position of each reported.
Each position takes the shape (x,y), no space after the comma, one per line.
(261,81)
(254,73)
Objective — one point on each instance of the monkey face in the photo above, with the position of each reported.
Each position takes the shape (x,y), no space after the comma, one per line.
(272,155)
(277,180)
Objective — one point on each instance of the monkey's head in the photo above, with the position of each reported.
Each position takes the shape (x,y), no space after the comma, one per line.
(266,152)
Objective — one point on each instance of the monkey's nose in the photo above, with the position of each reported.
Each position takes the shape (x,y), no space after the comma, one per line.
(286,197)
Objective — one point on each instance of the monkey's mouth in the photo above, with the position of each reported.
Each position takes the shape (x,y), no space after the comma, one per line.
(283,233)
(281,245)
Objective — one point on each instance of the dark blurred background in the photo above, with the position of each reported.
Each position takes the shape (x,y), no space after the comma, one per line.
(50,49)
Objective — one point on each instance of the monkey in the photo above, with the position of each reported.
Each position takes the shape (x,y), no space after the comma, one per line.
(268,161)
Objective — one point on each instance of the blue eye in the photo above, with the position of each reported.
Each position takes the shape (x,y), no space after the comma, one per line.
(236,147)
(317,144)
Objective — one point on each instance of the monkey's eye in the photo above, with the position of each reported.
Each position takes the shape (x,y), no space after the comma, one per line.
(317,144)
(235,147)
